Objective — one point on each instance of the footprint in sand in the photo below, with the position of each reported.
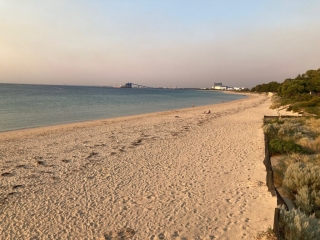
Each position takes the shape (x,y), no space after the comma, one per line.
(42,163)
(125,233)
(7,174)
(21,166)
(13,193)
(92,154)
(137,142)
(122,149)
(161,236)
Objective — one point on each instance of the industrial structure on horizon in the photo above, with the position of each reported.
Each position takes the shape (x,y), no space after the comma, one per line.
(219,86)
(216,86)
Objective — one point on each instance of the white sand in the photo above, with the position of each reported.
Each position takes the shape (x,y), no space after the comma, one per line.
(170,175)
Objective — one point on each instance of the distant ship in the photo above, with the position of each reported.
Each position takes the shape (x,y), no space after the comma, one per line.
(127,85)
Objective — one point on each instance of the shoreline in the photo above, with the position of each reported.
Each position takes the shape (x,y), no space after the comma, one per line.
(176,175)
(43,115)
(82,124)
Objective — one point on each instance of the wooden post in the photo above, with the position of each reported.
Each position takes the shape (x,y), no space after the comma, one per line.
(276,227)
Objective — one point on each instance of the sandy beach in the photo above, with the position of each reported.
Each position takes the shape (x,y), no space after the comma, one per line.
(171,175)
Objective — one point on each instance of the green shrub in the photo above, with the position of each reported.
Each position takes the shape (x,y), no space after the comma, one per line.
(286,160)
(266,235)
(271,130)
(299,175)
(281,146)
(296,108)
(313,110)
(296,225)
(305,200)
(312,145)
(276,102)
(302,98)
(308,201)
(291,127)
(303,181)
(311,106)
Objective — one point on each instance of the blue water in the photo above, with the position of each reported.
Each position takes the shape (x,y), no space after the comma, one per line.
(27,106)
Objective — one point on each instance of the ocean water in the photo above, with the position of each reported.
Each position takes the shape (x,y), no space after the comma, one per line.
(27,106)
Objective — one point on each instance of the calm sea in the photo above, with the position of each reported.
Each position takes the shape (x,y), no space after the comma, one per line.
(28,106)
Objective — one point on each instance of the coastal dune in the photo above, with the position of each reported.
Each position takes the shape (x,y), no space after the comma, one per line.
(170,175)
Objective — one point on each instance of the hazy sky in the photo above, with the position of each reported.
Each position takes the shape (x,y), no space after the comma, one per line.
(157,43)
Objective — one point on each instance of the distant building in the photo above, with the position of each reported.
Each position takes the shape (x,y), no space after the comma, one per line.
(219,86)
(127,85)
(239,88)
